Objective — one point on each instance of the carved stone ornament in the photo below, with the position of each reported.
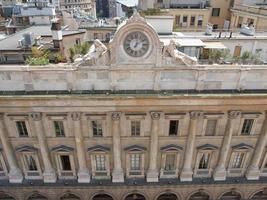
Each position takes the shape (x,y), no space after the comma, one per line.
(36,116)
(136,17)
(196,114)
(115,116)
(155,115)
(234,114)
(76,116)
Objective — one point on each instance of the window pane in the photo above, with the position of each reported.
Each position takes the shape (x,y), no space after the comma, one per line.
(238,160)
(97,128)
(174,124)
(65,162)
(135,161)
(135,128)
(216,12)
(31,163)
(22,129)
(204,161)
(247,126)
(59,128)
(211,127)
(170,162)
(100,161)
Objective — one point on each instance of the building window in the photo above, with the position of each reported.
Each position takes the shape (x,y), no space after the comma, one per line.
(22,128)
(97,128)
(204,161)
(135,162)
(65,162)
(200,20)
(192,20)
(78,41)
(170,162)
(237,161)
(30,162)
(211,127)
(216,12)
(100,162)
(135,128)
(95,36)
(31,165)
(173,129)
(177,19)
(59,128)
(247,126)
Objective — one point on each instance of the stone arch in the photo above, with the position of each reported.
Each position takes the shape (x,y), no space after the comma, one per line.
(231,195)
(199,195)
(6,196)
(135,195)
(167,195)
(36,196)
(259,195)
(102,196)
(69,196)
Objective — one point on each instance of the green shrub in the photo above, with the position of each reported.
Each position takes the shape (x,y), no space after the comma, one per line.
(37,61)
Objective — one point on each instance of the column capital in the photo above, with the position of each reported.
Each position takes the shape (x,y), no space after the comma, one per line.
(115,116)
(196,114)
(233,114)
(76,116)
(36,116)
(155,115)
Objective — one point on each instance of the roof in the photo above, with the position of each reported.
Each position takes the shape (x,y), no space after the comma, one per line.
(11,41)
(214,45)
(128,3)
(189,42)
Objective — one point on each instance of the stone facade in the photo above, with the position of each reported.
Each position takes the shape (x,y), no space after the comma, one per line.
(128,137)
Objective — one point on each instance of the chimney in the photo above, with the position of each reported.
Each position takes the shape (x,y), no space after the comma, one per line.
(57,35)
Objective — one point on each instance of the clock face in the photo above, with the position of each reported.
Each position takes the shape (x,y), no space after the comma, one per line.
(136,44)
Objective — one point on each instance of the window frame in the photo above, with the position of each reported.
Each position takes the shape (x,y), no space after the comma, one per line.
(233,172)
(65,174)
(244,116)
(89,127)
(135,117)
(99,123)
(4,172)
(29,173)
(137,130)
(61,128)
(218,12)
(174,117)
(130,173)
(203,172)
(205,126)
(251,129)
(100,174)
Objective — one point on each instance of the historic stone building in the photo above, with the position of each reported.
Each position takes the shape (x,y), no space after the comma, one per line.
(133,120)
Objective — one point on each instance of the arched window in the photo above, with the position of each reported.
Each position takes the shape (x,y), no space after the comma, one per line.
(102,197)
(232,195)
(167,196)
(262,195)
(37,196)
(69,196)
(135,197)
(4,196)
(199,196)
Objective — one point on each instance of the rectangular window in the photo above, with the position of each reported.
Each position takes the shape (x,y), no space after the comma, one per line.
(237,160)
(22,129)
(135,128)
(192,21)
(184,19)
(216,12)
(211,127)
(100,162)
(177,19)
(31,163)
(65,163)
(173,129)
(170,162)
(135,162)
(204,161)
(200,20)
(97,128)
(247,126)
(59,128)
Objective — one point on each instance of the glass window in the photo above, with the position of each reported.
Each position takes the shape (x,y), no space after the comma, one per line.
(100,161)
(200,20)
(65,162)
(31,163)
(135,128)
(247,126)
(216,12)
(238,160)
(174,125)
(204,161)
(135,160)
(192,20)
(211,127)
(170,162)
(59,128)
(22,129)
(97,128)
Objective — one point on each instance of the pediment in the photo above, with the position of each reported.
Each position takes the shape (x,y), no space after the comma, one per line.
(171,147)
(26,148)
(135,148)
(98,148)
(62,148)
(242,146)
(207,147)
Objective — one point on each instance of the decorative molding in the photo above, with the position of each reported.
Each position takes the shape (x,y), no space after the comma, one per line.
(98,148)
(207,147)
(36,116)
(171,147)
(62,148)
(234,114)
(196,114)
(115,116)
(76,116)
(136,18)
(155,115)
(242,146)
(135,148)
(26,148)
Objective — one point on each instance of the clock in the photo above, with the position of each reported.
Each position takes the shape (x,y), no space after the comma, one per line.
(136,44)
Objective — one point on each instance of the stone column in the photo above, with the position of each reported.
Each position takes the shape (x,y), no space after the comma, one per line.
(253,171)
(153,173)
(117,174)
(83,173)
(187,172)
(220,171)
(49,173)
(15,175)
